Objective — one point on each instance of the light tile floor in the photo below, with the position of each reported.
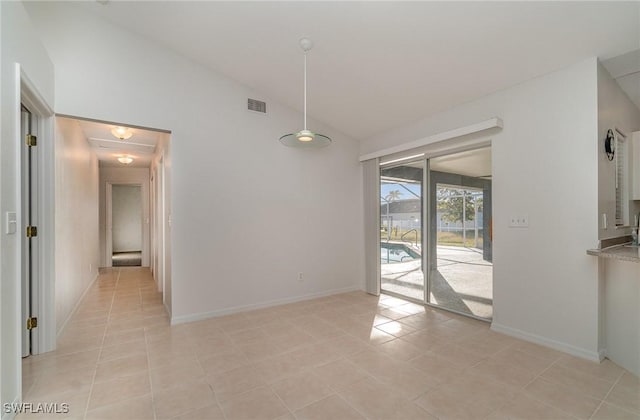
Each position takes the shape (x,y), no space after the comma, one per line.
(348,356)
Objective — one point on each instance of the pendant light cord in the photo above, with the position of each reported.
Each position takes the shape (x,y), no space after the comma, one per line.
(305,90)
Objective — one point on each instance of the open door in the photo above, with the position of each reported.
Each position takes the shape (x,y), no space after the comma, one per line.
(29,230)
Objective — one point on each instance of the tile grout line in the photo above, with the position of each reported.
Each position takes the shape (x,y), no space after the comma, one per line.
(114,403)
(338,393)
(539,376)
(215,395)
(86,411)
(290,411)
(606,395)
(146,347)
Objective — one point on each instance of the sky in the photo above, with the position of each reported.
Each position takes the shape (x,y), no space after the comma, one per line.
(402,187)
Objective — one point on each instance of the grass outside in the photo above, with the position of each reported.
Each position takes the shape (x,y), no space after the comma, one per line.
(444,238)
(455,239)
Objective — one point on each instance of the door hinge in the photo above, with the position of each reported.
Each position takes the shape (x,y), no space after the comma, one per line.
(32,231)
(32,322)
(31,140)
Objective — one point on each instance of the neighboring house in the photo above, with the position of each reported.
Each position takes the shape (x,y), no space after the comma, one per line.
(405,215)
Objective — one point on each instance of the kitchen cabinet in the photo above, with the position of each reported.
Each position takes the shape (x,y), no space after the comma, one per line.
(622,313)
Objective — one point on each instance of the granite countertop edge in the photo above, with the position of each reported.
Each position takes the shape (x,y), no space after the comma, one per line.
(617,252)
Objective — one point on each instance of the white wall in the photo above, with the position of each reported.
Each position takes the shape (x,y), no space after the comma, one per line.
(615,109)
(19,45)
(233,184)
(127,218)
(544,165)
(122,176)
(76,220)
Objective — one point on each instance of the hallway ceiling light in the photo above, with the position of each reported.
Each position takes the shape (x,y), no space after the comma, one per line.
(122,133)
(304,137)
(125,160)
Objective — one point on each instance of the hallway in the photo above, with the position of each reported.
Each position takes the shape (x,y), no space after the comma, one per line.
(102,356)
(346,356)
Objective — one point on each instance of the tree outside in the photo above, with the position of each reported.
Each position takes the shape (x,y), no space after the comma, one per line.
(454,205)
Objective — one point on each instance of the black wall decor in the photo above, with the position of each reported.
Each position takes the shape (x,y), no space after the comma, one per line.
(610,145)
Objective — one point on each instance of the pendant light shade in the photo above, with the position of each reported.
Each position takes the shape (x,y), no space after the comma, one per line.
(305,137)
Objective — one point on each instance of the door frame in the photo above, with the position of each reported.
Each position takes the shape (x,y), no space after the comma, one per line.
(160,227)
(43,337)
(428,240)
(109,220)
(423,213)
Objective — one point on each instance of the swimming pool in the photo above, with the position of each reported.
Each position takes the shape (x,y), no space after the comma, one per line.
(396,253)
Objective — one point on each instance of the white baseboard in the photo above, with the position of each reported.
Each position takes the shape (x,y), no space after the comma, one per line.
(556,345)
(603,354)
(228,311)
(77,305)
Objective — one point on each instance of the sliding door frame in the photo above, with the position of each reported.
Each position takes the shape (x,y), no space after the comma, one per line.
(426,229)
(429,246)
(423,191)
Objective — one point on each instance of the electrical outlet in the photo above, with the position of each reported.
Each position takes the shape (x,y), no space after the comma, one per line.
(519,221)
(300,276)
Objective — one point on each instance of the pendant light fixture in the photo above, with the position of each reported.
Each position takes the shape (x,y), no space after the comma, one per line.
(305,137)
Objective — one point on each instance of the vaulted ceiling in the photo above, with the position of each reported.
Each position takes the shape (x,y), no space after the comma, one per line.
(379,65)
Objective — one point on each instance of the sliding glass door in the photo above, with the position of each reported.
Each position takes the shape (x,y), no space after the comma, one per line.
(446,262)
(401,204)
(460,269)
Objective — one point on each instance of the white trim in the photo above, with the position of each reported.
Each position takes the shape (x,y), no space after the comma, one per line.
(446,135)
(77,306)
(402,159)
(371,221)
(146,210)
(32,97)
(228,311)
(602,354)
(44,307)
(108,219)
(620,132)
(556,345)
(166,308)
(11,415)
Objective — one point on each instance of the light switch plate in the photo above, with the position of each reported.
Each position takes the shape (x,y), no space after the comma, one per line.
(519,221)
(11,223)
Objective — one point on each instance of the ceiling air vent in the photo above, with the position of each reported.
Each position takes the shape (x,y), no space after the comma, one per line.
(256,105)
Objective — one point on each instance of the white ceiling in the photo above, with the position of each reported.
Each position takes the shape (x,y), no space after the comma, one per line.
(625,69)
(141,146)
(474,163)
(378,65)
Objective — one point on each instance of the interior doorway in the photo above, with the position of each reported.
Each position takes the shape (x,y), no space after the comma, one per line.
(159,217)
(126,225)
